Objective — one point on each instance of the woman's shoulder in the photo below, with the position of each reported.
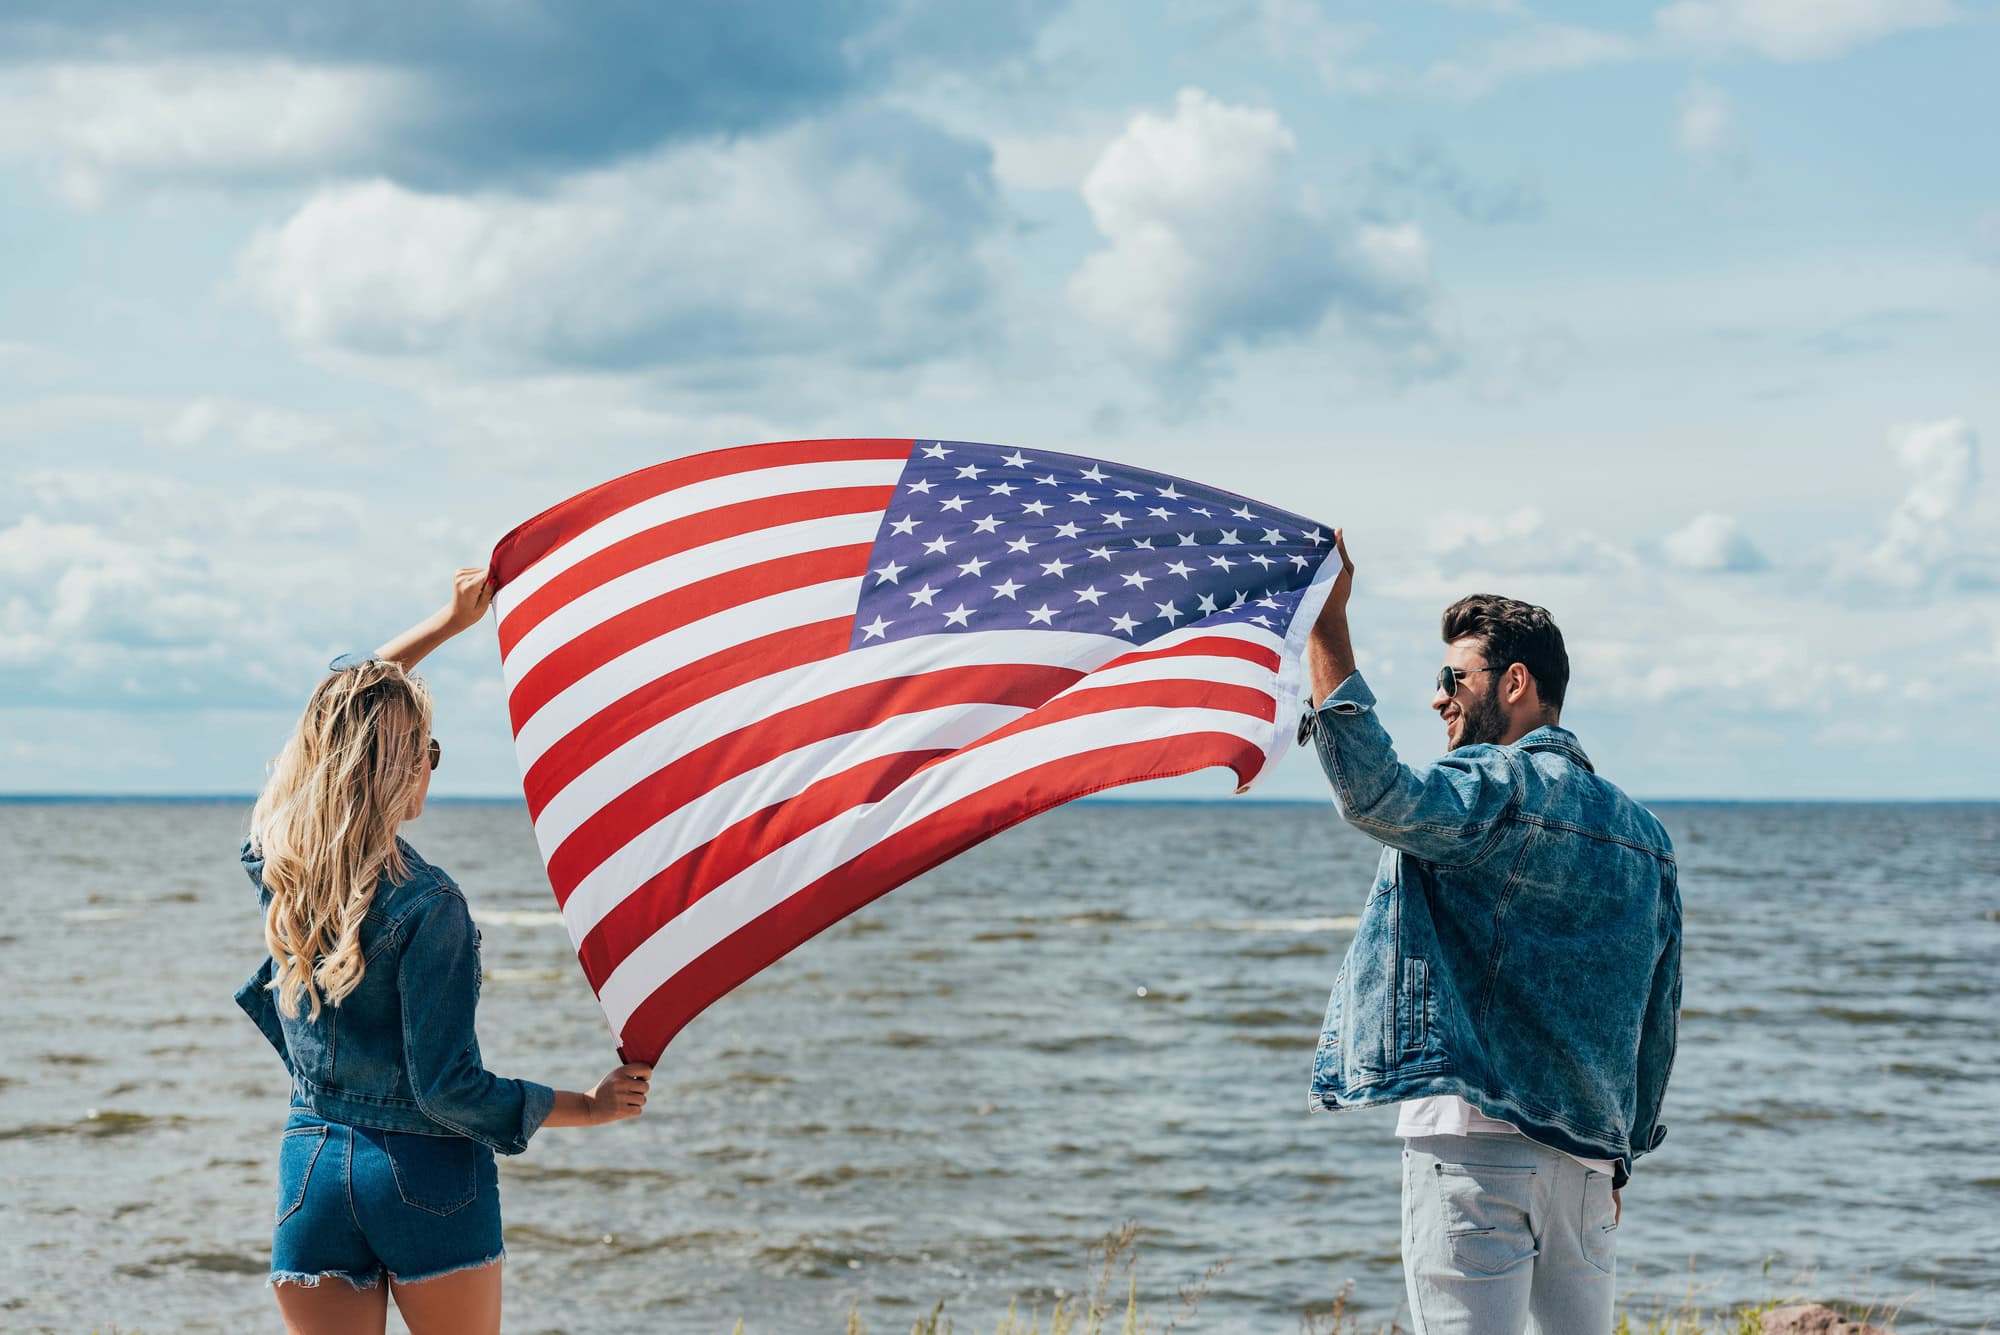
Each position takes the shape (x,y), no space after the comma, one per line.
(423,886)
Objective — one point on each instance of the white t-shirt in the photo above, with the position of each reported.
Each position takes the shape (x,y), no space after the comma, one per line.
(1450,1115)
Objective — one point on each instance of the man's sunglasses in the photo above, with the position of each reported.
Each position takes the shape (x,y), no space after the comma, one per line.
(1449,677)
(436,752)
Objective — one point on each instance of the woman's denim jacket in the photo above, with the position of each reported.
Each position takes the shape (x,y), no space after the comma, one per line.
(1520,948)
(399,1052)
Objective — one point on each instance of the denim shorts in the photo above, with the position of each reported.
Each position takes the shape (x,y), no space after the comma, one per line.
(355,1203)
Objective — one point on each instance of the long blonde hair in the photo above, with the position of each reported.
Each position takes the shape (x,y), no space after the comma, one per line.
(326,821)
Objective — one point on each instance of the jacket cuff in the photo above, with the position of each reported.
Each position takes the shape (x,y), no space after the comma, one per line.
(1350,697)
(536,1103)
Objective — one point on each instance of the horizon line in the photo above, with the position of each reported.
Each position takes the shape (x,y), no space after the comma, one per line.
(26,798)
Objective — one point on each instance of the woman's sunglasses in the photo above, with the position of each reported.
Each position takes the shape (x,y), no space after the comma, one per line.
(1448,679)
(436,752)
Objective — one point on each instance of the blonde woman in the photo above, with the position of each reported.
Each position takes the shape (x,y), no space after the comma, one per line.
(367,991)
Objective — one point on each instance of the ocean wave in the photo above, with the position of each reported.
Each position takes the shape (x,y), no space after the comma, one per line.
(517,917)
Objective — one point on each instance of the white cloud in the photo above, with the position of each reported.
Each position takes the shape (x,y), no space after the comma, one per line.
(1545,49)
(850,240)
(1048,159)
(1475,544)
(1211,242)
(125,587)
(257,427)
(1796,30)
(1458,529)
(1712,543)
(84,590)
(1704,125)
(100,128)
(1300,30)
(1942,459)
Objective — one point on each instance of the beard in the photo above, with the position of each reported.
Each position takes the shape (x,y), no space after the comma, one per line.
(1482,720)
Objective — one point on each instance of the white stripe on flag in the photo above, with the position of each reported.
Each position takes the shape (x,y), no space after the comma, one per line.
(662,844)
(651,850)
(792,688)
(661,657)
(693,499)
(729,556)
(765,884)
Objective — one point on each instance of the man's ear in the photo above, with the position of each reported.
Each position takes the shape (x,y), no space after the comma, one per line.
(1519,683)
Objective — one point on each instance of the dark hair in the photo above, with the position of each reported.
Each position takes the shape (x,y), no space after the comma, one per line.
(1514,632)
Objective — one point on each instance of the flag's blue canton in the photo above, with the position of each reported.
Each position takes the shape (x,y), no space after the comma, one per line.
(981,537)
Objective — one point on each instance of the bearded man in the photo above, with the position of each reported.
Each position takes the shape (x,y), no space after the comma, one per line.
(1514,980)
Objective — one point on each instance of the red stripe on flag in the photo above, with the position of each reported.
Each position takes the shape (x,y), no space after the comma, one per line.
(701,870)
(1208,646)
(625,718)
(1174,693)
(667,790)
(529,542)
(667,893)
(675,608)
(681,535)
(907,854)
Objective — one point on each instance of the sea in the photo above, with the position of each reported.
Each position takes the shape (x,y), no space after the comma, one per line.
(1102,1019)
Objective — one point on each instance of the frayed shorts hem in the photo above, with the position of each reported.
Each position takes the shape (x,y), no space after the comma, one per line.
(307,1279)
(494,1259)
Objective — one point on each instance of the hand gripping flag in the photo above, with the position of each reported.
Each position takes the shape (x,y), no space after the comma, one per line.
(755,689)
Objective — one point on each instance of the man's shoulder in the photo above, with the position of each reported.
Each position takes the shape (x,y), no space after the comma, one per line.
(1575,796)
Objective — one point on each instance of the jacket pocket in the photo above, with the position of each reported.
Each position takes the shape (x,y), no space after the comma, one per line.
(1416,1003)
(297,1153)
(433,1173)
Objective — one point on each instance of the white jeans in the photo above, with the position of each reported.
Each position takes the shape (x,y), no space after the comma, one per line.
(1503,1236)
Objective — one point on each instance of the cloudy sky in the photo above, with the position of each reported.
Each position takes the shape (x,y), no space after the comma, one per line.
(1681,319)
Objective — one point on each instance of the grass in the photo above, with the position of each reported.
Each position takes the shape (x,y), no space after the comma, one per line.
(1108,1304)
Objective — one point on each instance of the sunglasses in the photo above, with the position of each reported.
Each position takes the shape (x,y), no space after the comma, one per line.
(1449,677)
(436,753)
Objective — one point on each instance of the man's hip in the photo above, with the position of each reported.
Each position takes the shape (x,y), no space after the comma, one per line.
(1502,1235)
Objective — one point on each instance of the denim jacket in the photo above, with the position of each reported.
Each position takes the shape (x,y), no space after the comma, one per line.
(1521,945)
(399,1052)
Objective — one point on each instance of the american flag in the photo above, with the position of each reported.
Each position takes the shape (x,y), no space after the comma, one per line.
(755,689)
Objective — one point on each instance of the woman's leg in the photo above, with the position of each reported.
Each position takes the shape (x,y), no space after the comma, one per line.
(333,1307)
(465,1301)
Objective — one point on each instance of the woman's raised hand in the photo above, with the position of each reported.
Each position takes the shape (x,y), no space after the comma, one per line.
(620,1095)
(471,595)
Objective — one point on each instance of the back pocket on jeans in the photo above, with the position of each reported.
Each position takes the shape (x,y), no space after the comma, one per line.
(434,1173)
(1598,1234)
(1483,1210)
(297,1153)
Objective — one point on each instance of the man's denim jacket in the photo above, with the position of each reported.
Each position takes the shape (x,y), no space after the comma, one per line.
(1521,945)
(398,1052)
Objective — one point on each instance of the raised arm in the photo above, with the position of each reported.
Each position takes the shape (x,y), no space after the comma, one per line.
(1443,812)
(470,597)
(1330,651)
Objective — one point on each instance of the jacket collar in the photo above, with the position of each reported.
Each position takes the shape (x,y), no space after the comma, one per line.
(1552,738)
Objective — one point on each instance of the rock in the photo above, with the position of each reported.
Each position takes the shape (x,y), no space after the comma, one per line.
(1813,1319)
